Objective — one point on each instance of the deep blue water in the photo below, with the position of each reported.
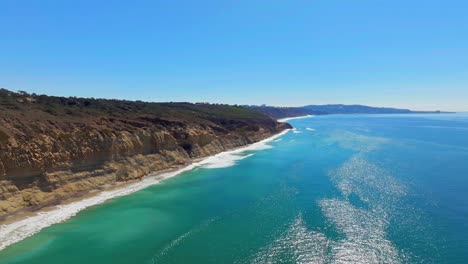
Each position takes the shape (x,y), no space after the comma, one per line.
(338,189)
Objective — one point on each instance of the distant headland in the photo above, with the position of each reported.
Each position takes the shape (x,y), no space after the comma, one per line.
(329,109)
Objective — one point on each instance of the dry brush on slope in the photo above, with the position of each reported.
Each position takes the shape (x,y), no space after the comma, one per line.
(52,148)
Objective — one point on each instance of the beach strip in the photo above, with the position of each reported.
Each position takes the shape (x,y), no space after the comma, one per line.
(13,232)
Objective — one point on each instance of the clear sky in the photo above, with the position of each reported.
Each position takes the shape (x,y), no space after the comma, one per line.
(401,53)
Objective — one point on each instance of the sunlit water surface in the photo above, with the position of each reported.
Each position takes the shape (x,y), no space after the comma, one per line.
(337,189)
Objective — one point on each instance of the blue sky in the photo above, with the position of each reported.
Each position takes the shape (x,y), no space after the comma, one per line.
(411,54)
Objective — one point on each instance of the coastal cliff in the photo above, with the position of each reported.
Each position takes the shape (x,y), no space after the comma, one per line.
(54,148)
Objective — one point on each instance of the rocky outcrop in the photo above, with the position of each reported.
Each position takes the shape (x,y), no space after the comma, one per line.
(46,159)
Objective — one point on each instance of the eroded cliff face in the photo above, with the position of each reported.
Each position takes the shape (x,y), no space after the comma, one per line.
(50,159)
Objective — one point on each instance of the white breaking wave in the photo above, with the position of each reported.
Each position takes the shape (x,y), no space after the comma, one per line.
(223,161)
(296,131)
(229,158)
(19,230)
(291,118)
(310,129)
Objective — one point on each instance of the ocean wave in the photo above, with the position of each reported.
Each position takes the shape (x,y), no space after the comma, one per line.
(180,239)
(310,129)
(364,237)
(223,161)
(229,158)
(296,131)
(19,230)
(292,118)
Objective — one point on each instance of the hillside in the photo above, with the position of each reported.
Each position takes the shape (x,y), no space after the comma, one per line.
(52,148)
(282,112)
(359,109)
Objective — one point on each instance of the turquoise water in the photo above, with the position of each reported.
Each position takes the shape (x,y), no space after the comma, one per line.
(339,189)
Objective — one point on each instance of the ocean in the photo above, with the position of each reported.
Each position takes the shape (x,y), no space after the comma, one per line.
(335,189)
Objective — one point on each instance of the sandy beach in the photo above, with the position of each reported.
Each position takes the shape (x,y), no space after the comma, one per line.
(29,222)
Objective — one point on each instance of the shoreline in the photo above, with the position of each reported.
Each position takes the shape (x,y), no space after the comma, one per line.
(29,223)
(282,120)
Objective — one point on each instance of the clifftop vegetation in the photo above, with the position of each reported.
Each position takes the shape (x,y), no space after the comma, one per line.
(74,107)
(52,148)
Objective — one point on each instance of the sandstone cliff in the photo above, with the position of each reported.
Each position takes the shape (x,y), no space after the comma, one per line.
(52,148)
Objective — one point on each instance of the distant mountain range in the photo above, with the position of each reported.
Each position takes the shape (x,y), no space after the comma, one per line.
(281,112)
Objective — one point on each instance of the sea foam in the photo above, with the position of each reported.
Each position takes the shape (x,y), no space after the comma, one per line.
(19,230)
(291,118)
(296,131)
